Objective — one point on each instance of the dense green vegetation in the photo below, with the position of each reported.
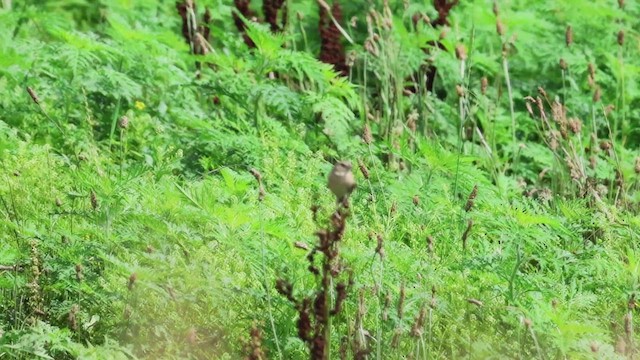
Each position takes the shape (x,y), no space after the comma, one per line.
(163,179)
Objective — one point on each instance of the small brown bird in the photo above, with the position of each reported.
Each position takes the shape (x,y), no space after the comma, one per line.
(341,181)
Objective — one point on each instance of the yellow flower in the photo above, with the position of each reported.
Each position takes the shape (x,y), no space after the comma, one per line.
(140,105)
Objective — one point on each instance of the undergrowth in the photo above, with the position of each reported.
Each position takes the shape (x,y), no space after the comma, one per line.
(163,179)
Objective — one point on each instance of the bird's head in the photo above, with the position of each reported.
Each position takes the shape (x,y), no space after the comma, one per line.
(343,165)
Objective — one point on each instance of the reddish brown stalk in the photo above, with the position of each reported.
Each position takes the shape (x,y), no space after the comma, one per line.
(247,13)
(331,48)
(316,310)
(271,9)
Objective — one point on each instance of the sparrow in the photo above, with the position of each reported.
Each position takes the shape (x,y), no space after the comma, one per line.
(341,181)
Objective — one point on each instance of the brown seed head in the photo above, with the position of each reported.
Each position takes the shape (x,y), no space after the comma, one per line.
(443,34)
(256,174)
(124,122)
(484,83)
(367,136)
(628,325)
(608,109)
(33,95)
(540,104)
(94,200)
(79,275)
(72,319)
(568,36)
(412,120)
(460,90)
(529,108)
(597,95)
(496,10)
(575,125)
(471,200)
(380,246)
(461,52)
(132,281)
(621,37)
(605,145)
(416,200)
(499,27)
(563,64)
(371,47)
(400,307)
(542,92)
(418,323)
(363,169)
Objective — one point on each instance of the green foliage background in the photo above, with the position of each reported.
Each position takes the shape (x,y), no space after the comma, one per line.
(149,241)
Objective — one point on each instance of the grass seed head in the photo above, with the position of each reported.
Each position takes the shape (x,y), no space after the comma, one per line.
(461,52)
(72,318)
(124,122)
(367,136)
(592,70)
(621,37)
(79,275)
(568,36)
(499,27)
(400,307)
(33,95)
(563,64)
(471,199)
(484,84)
(132,281)
(628,325)
(94,200)
(380,247)
(363,169)
(418,323)
(575,125)
(597,95)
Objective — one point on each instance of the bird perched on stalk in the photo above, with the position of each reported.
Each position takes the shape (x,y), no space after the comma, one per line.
(341,181)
